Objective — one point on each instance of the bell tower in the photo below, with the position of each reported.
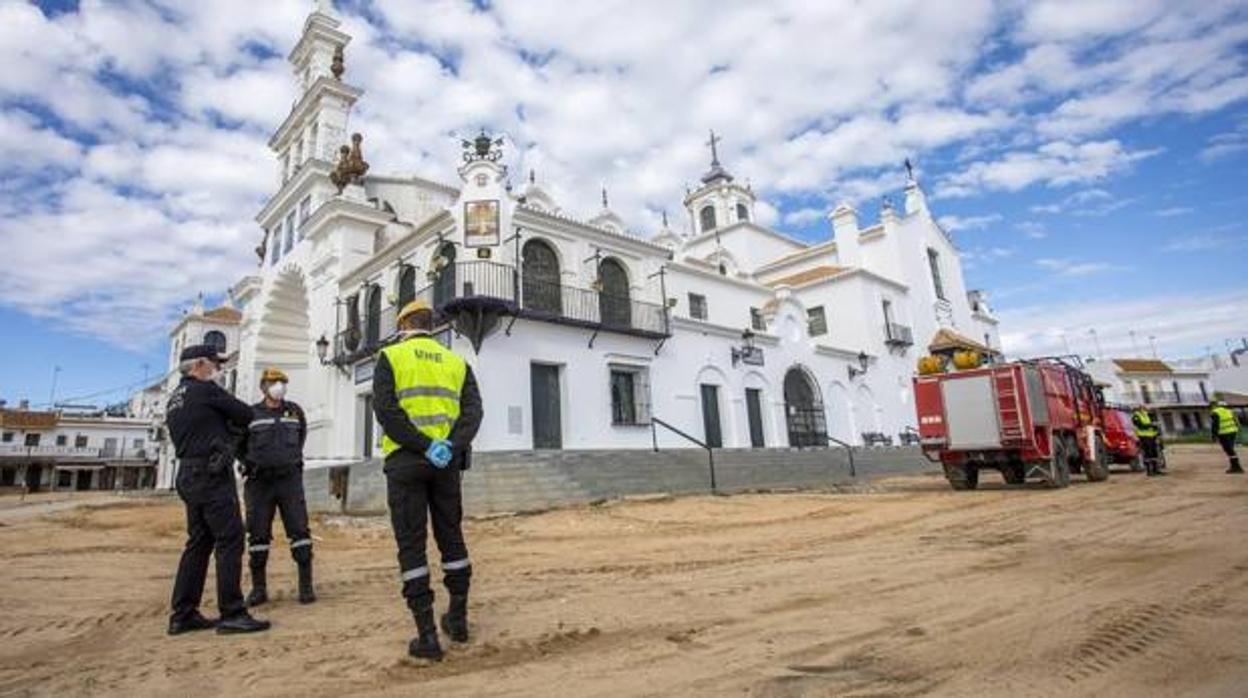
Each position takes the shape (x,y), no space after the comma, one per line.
(720,201)
(317,124)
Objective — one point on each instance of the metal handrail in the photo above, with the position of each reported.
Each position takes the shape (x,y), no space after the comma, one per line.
(853,472)
(710,453)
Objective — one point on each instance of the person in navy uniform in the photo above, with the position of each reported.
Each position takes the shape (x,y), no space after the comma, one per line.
(272,457)
(204,423)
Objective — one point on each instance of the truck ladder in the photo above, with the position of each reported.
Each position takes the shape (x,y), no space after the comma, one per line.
(1008,408)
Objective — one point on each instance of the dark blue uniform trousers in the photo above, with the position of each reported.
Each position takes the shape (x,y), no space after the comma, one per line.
(213,525)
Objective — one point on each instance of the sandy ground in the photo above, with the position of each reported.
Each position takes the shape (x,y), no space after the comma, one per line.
(1133,587)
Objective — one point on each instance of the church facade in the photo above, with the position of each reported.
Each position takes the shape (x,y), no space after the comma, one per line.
(582,333)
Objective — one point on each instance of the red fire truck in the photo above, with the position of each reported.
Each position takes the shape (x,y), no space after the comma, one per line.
(1038,419)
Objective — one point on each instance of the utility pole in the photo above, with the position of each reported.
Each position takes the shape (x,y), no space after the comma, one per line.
(1135,348)
(1097,341)
(1152,340)
(56,372)
(1065,342)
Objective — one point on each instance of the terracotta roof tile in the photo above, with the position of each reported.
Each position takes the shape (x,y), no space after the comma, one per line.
(1142,365)
(224,314)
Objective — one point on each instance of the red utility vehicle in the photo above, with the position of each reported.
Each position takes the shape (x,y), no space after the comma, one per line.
(1039,419)
(1120,438)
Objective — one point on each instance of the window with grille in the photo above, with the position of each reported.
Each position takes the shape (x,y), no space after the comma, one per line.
(62,440)
(743,214)
(7,437)
(290,233)
(817,322)
(630,395)
(756,320)
(697,306)
(80,441)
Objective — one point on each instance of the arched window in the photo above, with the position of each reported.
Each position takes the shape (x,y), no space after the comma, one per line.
(407,285)
(444,283)
(540,278)
(351,335)
(613,303)
(707,217)
(216,340)
(743,213)
(372,318)
(803,410)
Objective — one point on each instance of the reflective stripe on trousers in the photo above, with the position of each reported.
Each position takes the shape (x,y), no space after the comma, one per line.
(409,575)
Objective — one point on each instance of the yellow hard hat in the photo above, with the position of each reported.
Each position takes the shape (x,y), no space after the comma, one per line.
(273,375)
(411,308)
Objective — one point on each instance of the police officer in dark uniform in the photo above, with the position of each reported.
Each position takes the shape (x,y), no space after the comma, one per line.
(204,424)
(272,457)
(427,402)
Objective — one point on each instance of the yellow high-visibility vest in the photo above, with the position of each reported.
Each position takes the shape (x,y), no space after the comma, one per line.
(1227,422)
(428,378)
(1144,426)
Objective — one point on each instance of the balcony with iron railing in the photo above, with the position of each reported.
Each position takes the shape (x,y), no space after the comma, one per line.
(464,284)
(50,452)
(897,335)
(1165,398)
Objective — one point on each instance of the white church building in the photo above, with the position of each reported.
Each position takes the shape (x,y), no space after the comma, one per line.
(582,332)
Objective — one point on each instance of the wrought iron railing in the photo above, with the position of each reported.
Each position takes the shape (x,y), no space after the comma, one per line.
(1167,397)
(361,333)
(896,334)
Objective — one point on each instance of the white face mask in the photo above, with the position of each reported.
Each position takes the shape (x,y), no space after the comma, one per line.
(276,391)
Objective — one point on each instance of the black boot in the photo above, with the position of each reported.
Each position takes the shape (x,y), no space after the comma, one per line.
(1234,469)
(306,593)
(241,623)
(189,625)
(425,645)
(259,587)
(455,620)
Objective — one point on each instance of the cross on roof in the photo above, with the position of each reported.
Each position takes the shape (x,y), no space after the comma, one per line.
(714,150)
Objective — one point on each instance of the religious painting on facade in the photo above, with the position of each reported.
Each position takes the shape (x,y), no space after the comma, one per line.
(481,223)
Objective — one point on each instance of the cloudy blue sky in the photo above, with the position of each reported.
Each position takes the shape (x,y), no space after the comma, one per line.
(1088,156)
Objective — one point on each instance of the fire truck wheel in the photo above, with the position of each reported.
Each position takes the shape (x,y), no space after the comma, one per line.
(962,477)
(1098,469)
(1014,473)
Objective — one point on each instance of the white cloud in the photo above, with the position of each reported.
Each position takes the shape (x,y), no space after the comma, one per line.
(1089,202)
(1070,267)
(1206,243)
(1173,211)
(803,216)
(1055,164)
(1188,323)
(956,223)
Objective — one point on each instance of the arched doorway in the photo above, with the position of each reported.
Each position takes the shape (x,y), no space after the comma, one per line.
(613,302)
(803,410)
(444,285)
(540,278)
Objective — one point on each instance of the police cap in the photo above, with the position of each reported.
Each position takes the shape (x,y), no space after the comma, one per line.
(201,351)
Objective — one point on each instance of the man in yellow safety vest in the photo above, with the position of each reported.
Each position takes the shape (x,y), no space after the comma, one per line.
(1225,427)
(427,402)
(1146,433)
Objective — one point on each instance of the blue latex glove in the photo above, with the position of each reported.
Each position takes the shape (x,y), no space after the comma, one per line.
(439,453)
